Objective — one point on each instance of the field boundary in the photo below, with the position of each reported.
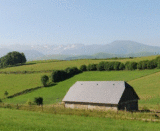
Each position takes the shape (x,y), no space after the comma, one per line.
(24,92)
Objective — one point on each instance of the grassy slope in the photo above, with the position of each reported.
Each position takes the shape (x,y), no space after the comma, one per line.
(56,93)
(51,65)
(12,120)
(14,83)
(148,88)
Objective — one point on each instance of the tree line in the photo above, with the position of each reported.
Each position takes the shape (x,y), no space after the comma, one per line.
(60,75)
(129,65)
(12,58)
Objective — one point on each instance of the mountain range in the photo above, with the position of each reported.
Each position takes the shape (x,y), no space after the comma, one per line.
(121,48)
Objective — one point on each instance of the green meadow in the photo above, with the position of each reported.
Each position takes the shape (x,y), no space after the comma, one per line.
(145,83)
(13,83)
(57,64)
(13,120)
(135,78)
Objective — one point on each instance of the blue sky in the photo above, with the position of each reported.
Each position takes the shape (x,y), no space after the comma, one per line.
(79,21)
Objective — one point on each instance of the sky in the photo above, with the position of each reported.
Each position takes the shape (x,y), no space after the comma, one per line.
(79,21)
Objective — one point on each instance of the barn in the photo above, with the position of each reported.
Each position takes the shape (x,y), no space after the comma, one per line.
(101,95)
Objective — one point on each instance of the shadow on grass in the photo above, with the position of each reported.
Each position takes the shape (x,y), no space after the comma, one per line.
(50,85)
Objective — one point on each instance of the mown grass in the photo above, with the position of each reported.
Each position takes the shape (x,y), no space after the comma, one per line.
(13,83)
(12,120)
(148,88)
(54,65)
(56,93)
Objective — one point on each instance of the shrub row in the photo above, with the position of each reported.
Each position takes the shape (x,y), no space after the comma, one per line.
(60,75)
(129,65)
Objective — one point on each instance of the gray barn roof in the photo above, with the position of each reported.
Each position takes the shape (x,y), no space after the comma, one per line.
(105,92)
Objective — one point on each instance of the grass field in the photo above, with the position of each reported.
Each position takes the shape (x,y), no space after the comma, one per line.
(56,64)
(148,88)
(13,83)
(12,120)
(145,82)
(56,93)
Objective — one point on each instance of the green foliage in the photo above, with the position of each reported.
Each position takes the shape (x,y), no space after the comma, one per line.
(12,58)
(44,80)
(56,76)
(0,100)
(116,65)
(158,64)
(60,75)
(130,65)
(151,64)
(38,100)
(144,64)
(100,66)
(92,67)
(56,93)
(121,66)
(109,66)
(83,68)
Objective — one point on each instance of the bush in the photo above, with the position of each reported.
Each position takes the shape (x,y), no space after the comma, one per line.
(44,80)
(69,71)
(0,100)
(139,65)
(56,76)
(121,66)
(83,68)
(133,65)
(116,65)
(109,66)
(38,100)
(92,67)
(127,65)
(158,64)
(144,64)
(130,65)
(100,66)
(151,64)
(75,70)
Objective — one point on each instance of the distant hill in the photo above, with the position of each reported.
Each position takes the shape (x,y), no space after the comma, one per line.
(95,56)
(121,48)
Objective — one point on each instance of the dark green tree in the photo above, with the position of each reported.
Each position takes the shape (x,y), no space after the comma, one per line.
(12,58)
(83,68)
(92,67)
(109,66)
(100,66)
(44,80)
(121,66)
(151,64)
(38,100)
(116,65)
(56,76)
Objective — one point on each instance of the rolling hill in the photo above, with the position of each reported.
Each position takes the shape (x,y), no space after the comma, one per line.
(120,48)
